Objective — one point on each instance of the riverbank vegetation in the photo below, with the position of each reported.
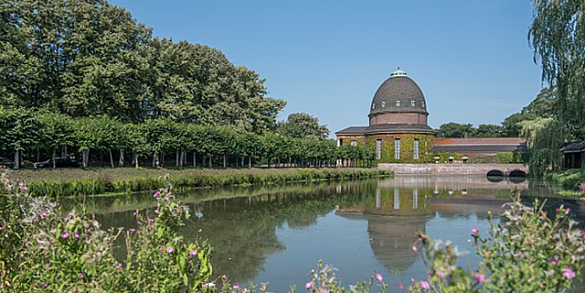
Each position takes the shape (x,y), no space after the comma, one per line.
(529,252)
(571,180)
(127,180)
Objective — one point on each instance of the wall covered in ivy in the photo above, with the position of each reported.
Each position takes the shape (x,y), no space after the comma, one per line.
(425,142)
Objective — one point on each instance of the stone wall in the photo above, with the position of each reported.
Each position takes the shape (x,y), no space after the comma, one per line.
(450,169)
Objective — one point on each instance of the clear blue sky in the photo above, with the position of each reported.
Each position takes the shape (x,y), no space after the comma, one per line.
(471,58)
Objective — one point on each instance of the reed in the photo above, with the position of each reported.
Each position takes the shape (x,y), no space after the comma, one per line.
(103,185)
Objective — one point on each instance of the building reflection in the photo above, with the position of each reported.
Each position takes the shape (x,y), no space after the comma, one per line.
(395,216)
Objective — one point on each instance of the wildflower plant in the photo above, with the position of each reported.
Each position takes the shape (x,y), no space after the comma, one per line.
(44,249)
(528,251)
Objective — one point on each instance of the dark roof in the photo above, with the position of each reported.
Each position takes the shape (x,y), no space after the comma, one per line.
(398,88)
(399,128)
(352,130)
(574,147)
(479,148)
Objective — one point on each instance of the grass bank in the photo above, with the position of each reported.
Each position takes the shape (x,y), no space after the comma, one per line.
(76,182)
(570,180)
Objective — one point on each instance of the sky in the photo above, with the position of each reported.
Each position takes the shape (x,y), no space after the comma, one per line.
(471,58)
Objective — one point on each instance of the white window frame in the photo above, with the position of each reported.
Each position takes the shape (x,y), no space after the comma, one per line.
(397,103)
(397,144)
(412,103)
(415,149)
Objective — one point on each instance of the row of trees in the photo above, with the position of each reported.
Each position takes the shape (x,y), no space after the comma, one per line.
(43,134)
(90,58)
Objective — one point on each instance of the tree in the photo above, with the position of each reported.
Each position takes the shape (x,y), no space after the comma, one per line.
(453,129)
(303,125)
(557,35)
(542,138)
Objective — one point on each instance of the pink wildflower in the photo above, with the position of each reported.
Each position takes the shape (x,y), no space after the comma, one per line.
(131,230)
(474,231)
(568,273)
(156,194)
(414,250)
(554,261)
(75,234)
(193,252)
(400,286)
(236,287)
(118,265)
(379,278)
(65,235)
(425,285)
(308,285)
(324,291)
(479,278)
(170,249)
(43,215)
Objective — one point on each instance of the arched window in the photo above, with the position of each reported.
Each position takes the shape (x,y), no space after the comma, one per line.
(398,103)
(383,104)
(412,103)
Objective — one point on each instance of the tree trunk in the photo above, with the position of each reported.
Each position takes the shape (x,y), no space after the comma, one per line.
(194,159)
(177,158)
(63,150)
(210,165)
(38,155)
(162,159)
(111,158)
(85,157)
(224,161)
(249,161)
(17,159)
(54,163)
(135,159)
(155,160)
(121,161)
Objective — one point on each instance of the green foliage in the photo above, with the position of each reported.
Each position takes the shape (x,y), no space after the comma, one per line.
(543,139)
(425,142)
(303,125)
(46,250)
(102,185)
(90,58)
(527,252)
(557,35)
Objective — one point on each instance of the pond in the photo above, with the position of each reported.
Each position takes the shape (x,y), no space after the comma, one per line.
(278,234)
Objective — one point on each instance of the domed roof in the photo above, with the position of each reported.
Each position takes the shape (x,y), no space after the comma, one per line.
(399,93)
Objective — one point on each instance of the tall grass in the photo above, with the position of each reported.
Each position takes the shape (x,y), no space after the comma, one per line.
(103,185)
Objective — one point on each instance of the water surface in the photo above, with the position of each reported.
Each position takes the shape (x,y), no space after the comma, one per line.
(278,234)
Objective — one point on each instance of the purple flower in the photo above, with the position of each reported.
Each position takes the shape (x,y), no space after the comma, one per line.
(131,230)
(43,215)
(324,291)
(568,211)
(554,261)
(81,275)
(236,287)
(425,285)
(568,273)
(65,235)
(170,249)
(474,231)
(156,194)
(118,265)
(479,278)
(193,252)
(440,273)
(47,265)
(400,286)
(75,234)
(414,250)
(150,220)
(25,239)
(379,278)
(308,285)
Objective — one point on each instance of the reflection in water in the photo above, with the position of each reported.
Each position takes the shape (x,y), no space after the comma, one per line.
(277,234)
